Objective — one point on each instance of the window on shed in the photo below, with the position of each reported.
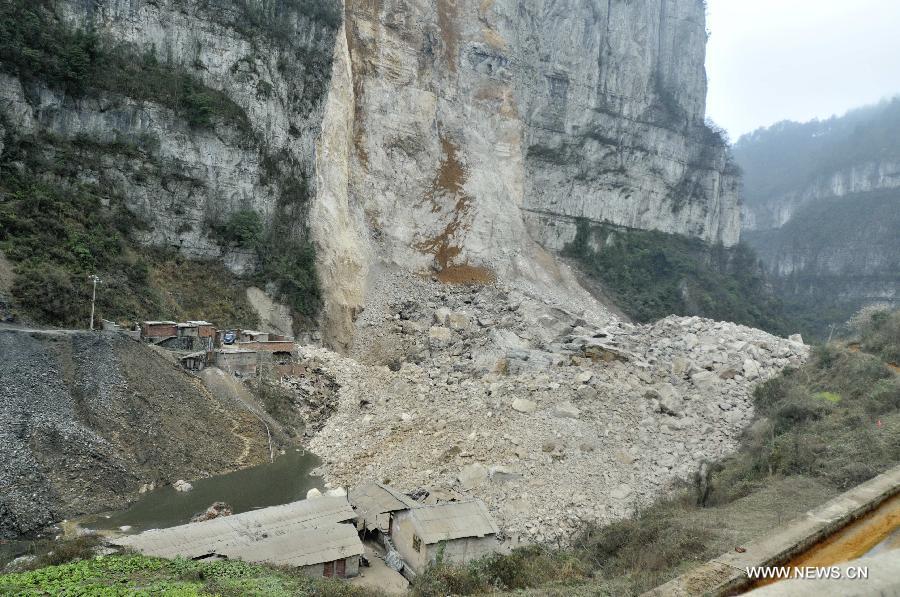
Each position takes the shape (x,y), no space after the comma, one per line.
(417,543)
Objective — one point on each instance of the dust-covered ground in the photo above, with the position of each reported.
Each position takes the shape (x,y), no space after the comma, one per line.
(557,415)
(86,419)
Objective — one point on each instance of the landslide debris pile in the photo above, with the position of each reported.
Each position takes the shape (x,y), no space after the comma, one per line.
(552,420)
(87,418)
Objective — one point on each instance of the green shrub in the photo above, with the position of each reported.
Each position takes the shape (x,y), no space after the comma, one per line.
(68,550)
(523,568)
(242,229)
(881,336)
(652,274)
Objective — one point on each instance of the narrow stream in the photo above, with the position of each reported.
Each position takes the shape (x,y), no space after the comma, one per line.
(285,480)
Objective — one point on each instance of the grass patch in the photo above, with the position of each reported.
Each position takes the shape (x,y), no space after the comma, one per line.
(524,568)
(653,274)
(135,574)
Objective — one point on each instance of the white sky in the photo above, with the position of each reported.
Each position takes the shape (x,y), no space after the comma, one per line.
(771,60)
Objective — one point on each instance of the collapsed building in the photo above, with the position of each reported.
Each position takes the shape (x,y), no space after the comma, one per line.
(312,535)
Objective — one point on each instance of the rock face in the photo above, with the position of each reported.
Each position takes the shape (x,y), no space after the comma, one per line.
(459,130)
(822,209)
(176,177)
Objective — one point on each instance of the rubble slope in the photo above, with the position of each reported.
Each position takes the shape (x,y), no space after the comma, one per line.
(555,415)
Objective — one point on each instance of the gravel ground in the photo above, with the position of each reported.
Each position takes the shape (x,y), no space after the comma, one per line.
(87,418)
(554,414)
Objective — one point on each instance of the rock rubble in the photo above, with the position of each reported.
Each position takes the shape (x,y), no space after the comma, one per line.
(553,420)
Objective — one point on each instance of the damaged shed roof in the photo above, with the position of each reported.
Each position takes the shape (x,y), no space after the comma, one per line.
(302,547)
(373,500)
(247,534)
(454,520)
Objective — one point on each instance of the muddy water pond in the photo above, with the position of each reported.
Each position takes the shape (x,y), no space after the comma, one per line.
(287,479)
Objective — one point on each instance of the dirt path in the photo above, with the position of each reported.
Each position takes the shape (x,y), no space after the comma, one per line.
(226,388)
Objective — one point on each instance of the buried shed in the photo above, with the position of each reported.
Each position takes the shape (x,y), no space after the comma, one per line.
(374,504)
(306,534)
(461,531)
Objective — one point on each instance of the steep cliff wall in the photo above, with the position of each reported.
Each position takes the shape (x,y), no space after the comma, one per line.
(822,209)
(477,126)
(189,111)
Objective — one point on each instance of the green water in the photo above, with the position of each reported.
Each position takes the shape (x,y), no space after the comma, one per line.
(285,480)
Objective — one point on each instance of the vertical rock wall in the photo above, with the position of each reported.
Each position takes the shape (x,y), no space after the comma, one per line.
(477,127)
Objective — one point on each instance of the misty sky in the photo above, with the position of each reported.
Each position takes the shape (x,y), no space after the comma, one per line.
(771,60)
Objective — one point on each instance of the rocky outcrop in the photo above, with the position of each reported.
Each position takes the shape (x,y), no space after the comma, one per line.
(475,127)
(176,177)
(821,210)
(555,417)
(856,178)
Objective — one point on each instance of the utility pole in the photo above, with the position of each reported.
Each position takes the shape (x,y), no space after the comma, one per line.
(95,279)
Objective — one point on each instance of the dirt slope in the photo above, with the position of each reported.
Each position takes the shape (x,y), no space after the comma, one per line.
(87,418)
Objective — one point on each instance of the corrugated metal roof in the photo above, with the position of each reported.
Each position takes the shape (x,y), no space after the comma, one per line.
(300,548)
(247,529)
(373,499)
(443,522)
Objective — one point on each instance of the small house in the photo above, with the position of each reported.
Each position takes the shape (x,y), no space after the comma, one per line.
(460,531)
(311,535)
(204,329)
(195,361)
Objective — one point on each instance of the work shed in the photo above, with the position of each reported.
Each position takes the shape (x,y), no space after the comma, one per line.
(464,531)
(374,503)
(308,534)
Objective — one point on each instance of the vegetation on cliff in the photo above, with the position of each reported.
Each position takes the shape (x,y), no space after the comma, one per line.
(819,429)
(59,231)
(788,156)
(62,217)
(652,274)
(842,252)
(36,45)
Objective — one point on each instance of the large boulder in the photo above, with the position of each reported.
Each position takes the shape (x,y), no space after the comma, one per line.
(524,406)
(472,475)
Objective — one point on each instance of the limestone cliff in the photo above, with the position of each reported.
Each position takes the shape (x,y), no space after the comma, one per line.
(821,209)
(477,125)
(191,176)
(189,111)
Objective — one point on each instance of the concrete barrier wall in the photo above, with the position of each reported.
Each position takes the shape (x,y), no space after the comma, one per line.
(725,575)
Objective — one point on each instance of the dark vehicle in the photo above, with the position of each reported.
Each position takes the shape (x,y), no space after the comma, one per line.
(229,337)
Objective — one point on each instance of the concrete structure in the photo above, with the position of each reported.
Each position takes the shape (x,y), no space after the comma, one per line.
(196,361)
(253,336)
(461,531)
(155,330)
(307,534)
(375,505)
(268,345)
(243,362)
(726,574)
